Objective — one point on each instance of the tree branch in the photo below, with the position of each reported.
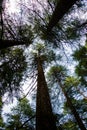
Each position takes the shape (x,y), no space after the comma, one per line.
(10,43)
(27,121)
(60,10)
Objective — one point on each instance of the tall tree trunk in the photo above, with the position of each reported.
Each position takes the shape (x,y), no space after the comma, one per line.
(44,116)
(72,108)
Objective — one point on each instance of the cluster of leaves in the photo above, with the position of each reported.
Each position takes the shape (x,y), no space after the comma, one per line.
(19,116)
(12,66)
(70,87)
(80,56)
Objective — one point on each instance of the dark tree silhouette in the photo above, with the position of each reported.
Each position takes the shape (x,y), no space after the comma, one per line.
(60,10)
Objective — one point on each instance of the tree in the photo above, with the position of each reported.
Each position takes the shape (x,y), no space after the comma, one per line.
(2,2)
(9,43)
(1,119)
(14,34)
(57,74)
(11,73)
(60,10)
(22,35)
(36,16)
(19,117)
(44,116)
(12,67)
(80,56)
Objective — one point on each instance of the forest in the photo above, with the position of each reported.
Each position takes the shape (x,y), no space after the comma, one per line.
(43,65)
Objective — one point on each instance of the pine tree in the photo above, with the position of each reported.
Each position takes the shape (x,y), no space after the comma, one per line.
(44,116)
(57,73)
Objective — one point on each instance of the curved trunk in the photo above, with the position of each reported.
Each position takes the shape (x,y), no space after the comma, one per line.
(44,116)
(72,108)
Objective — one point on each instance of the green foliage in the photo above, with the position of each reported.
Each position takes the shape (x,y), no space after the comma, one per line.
(71,33)
(71,81)
(56,73)
(19,115)
(58,70)
(13,65)
(68,85)
(69,125)
(25,34)
(80,55)
(80,106)
(41,51)
(24,107)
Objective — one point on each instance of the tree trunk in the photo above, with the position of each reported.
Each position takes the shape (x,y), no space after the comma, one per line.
(61,9)
(44,116)
(1,104)
(72,108)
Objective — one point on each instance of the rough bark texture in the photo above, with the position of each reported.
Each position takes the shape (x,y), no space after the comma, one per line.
(44,116)
(73,110)
(61,9)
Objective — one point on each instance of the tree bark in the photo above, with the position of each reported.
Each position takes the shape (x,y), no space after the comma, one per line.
(60,10)
(44,116)
(9,43)
(0,106)
(72,108)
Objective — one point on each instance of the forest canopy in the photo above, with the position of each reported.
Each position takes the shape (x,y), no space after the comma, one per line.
(43,59)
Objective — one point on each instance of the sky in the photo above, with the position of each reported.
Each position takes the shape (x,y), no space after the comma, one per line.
(14,5)
(11,5)
(12,8)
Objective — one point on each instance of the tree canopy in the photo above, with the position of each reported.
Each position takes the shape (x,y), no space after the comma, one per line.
(43,59)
